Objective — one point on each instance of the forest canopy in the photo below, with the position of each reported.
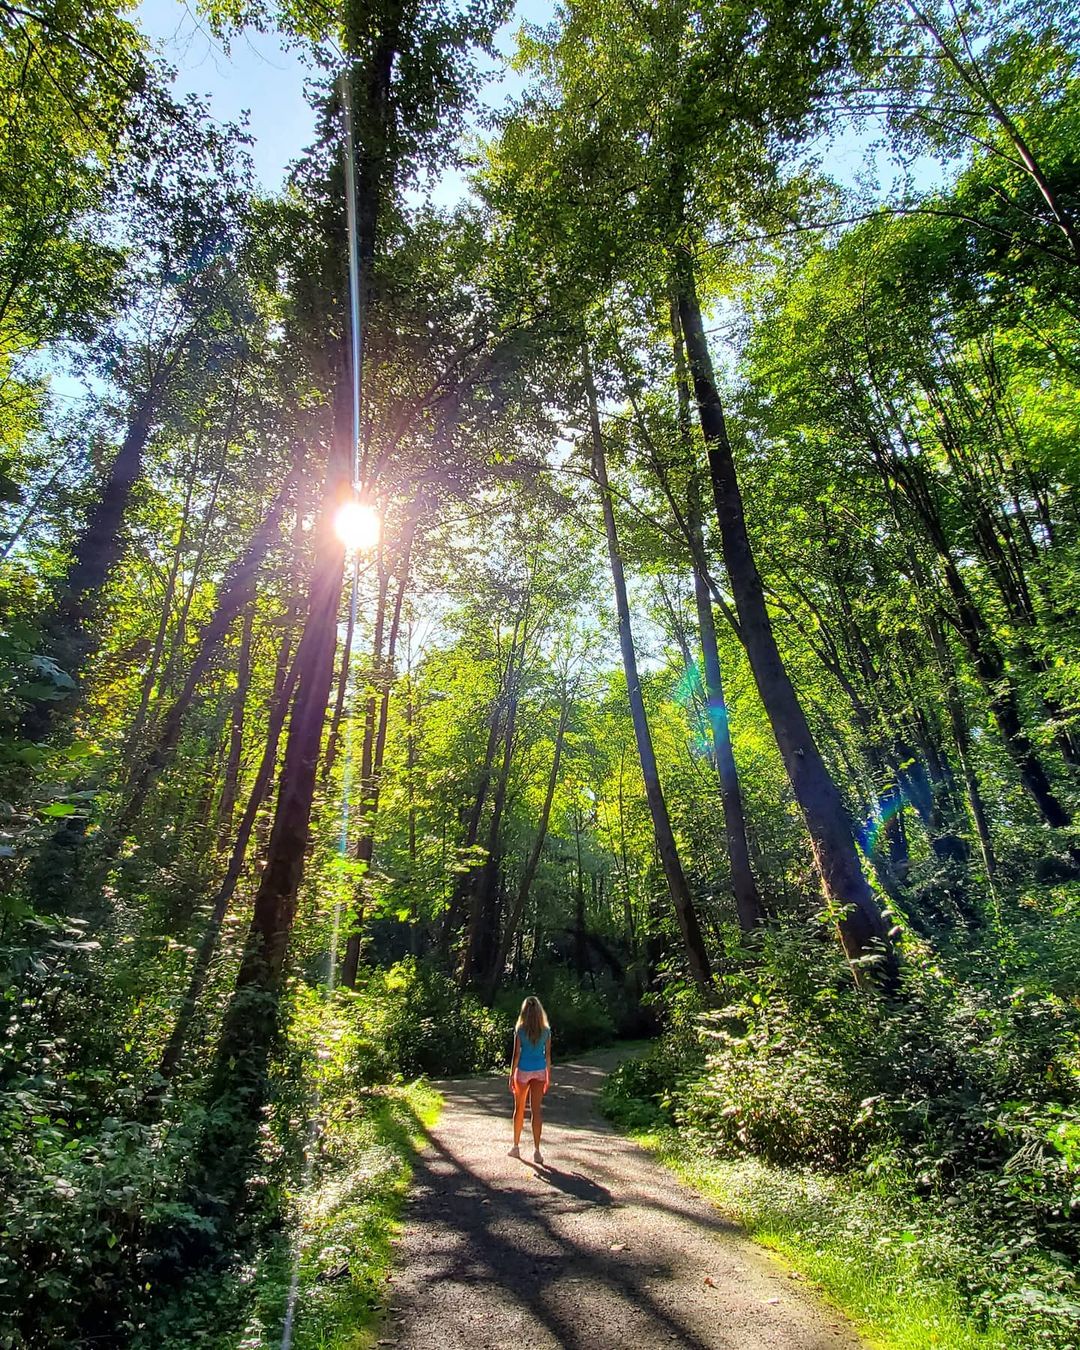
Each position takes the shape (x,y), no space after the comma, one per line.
(709,664)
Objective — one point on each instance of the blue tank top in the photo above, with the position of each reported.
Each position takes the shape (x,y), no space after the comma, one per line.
(533,1058)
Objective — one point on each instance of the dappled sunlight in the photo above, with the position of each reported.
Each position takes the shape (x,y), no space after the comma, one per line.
(603,531)
(518,1235)
(596,1247)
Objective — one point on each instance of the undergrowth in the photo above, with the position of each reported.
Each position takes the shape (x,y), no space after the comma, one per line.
(863,1255)
(415,1019)
(100,1184)
(344,1213)
(344,1223)
(919,1159)
(338,1208)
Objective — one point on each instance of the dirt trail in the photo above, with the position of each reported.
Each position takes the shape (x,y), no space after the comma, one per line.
(601,1247)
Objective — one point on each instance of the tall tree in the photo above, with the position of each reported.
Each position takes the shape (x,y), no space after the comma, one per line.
(403,100)
(678,888)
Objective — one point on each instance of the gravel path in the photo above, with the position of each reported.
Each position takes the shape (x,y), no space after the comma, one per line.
(601,1247)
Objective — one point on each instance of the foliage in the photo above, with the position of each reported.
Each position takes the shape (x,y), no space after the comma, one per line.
(890,1266)
(414,1019)
(204,829)
(583,1017)
(956,1109)
(342,1209)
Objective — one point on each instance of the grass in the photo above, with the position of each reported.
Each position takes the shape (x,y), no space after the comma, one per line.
(846,1242)
(347,1220)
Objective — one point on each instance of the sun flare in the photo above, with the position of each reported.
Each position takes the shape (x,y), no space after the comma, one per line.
(357,525)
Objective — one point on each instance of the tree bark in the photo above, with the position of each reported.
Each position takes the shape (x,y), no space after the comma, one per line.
(462,885)
(371,785)
(480,939)
(351,960)
(582,964)
(678,888)
(862,929)
(365,848)
(962,740)
(333,740)
(231,776)
(69,638)
(235,594)
(624,860)
(532,864)
(249,1029)
(985,654)
(276,899)
(174,1048)
(134,736)
(748,906)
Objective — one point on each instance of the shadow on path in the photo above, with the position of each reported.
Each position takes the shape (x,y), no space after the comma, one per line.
(598,1248)
(510,1239)
(573,1183)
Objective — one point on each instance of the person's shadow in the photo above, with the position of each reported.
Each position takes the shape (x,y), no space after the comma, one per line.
(575,1184)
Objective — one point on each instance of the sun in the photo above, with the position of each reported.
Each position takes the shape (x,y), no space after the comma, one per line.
(357,525)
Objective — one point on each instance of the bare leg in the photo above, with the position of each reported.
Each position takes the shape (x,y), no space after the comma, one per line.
(536,1105)
(520,1095)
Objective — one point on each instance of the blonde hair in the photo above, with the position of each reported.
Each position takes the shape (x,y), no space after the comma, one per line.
(532,1019)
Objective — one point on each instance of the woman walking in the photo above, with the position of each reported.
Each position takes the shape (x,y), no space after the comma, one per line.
(530,1072)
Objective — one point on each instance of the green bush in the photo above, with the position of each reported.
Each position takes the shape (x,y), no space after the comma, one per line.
(582,1018)
(83,1196)
(955,1107)
(645,1088)
(413,1019)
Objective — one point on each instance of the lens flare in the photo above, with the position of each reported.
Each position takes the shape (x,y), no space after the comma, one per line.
(357,526)
(872,831)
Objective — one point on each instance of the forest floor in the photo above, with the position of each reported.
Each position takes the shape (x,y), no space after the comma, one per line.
(599,1247)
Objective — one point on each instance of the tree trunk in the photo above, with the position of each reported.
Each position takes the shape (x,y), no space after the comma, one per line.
(231,777)
(179,638)
(962,740)
(276,898)
(747,900)
(371,782)
(351,960)
(679,890)
(748,906)
(1002,695)
(134,736)
(249,1028)
(624,860)
(462,885)
(862,929)
(521,899)
(235,594)
(333,740)
(481,940)
(173,1051)
(410,766)
(582,964)
(69,636)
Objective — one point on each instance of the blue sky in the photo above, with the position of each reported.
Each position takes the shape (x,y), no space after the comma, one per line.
(257,79)
(257,76)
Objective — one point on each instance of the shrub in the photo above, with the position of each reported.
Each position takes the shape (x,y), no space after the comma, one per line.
(413,1019)
(582,1018)
(949,1117)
